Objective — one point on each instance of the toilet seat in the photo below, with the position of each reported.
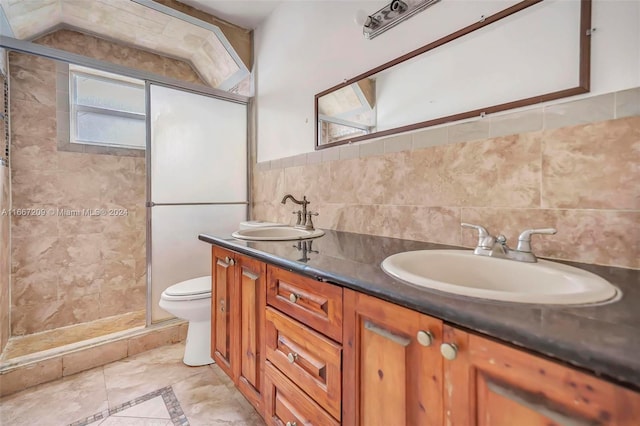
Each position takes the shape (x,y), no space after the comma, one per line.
(193,289)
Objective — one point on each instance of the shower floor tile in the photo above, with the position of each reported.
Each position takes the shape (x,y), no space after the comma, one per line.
(120,394)
(25,345)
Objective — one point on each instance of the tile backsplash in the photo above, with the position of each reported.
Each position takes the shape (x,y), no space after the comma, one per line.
(573,166)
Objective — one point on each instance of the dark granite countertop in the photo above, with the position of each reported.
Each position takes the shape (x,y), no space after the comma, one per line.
(604,339)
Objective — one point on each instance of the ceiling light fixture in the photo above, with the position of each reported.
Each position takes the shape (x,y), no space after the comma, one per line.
(391,15)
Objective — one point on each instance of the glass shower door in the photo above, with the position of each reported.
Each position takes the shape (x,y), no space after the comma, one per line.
(197,159)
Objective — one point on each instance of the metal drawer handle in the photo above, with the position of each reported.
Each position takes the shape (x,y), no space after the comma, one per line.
(292,357)
(292,424)
(294,297)
(229,260)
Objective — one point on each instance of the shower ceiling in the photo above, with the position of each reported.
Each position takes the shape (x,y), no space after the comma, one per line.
(209,52)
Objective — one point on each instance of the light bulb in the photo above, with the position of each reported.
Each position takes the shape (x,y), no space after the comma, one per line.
(361,17)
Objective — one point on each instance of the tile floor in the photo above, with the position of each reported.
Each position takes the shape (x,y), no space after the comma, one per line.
(152,388)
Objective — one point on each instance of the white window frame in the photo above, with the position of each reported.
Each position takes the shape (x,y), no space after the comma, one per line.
(75,109)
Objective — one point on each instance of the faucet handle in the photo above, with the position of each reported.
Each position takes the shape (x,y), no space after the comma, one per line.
(299,213)
(485,240)
(524,240)
(309,223)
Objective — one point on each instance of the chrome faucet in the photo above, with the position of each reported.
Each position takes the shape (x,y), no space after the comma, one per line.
(488,245)
(304,218)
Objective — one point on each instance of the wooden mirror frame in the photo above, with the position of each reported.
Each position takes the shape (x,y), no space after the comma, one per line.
(583,86)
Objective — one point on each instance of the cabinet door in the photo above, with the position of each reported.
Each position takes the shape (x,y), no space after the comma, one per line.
(223,340)
(389,377)
(490,383)
(250,290)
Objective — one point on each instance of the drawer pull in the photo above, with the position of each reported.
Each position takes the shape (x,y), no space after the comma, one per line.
(292,357)
(449,351)
(400,340)
(229,261)
(294,297)
(425,338)
(292,424)
(221,305)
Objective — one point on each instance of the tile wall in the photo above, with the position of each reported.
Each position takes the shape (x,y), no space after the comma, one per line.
(574,166)
(5,266)
(67,267)
(97,48)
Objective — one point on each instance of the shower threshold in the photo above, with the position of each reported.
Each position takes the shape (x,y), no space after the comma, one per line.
(68,338)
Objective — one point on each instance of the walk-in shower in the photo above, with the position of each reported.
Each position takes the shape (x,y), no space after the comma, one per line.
(80,215)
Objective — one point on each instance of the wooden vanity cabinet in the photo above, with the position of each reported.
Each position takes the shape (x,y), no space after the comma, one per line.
(489,383)
(305,352)
(237,320)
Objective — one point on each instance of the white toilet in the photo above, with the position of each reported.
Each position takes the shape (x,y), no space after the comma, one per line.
(191,300)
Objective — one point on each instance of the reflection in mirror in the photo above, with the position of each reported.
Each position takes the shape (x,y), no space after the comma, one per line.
(348,112)
(501,63)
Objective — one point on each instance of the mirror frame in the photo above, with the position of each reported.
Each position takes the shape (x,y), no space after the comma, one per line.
(584,78)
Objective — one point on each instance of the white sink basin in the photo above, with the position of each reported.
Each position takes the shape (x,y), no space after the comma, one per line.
(276,233)
(462,272)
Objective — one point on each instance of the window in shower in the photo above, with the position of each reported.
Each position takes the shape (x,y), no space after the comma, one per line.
(106,109)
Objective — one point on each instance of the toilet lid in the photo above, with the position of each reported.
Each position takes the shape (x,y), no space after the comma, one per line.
(192,287)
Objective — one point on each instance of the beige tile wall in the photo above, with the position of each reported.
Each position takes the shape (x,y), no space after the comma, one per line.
(67,268)
(98,48)
(5,265)
(574,166)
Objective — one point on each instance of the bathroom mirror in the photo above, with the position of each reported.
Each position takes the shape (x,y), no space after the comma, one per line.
(531,52)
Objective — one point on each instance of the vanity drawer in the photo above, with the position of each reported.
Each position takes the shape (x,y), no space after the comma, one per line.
(309,359)
(285,404)
(314,303)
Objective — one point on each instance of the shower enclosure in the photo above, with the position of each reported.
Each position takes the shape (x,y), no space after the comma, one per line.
(198,182)
(85,231)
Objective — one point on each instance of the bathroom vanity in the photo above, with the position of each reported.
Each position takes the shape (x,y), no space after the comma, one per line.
(314,332)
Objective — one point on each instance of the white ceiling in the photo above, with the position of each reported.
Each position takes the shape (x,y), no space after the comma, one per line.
(247,14)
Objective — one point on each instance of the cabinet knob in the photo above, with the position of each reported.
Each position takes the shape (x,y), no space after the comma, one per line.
(292,357)
(292,424)
(425,338)
(294,297)
(449,351)
(221,305)
(229,260)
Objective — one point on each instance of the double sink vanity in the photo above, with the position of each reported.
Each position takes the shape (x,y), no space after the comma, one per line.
(325,327)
